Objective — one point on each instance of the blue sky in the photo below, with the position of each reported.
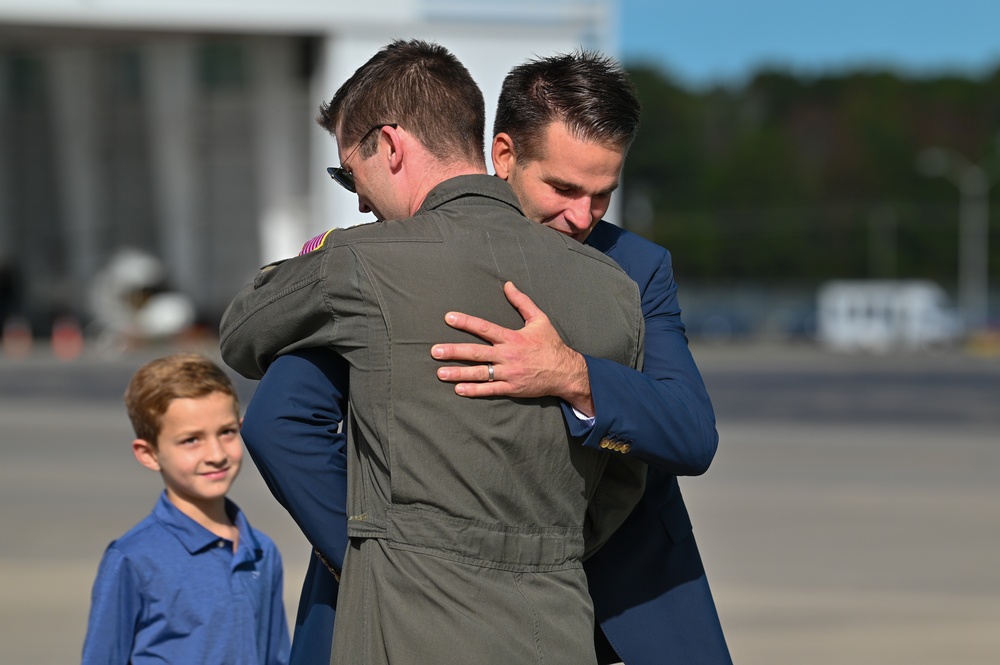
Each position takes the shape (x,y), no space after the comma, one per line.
(705,41)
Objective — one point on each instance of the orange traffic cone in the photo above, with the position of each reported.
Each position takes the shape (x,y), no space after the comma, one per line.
(16,337)
(67,338)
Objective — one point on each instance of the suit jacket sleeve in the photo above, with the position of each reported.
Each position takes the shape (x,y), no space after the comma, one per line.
(291,432)
(287,307)
(663,413)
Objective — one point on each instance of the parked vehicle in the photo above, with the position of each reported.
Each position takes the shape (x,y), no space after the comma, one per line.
(880,315)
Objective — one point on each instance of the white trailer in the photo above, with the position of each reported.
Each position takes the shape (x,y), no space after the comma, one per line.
(881,315)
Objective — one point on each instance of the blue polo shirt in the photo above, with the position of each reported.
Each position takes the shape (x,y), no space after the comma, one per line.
(171,591)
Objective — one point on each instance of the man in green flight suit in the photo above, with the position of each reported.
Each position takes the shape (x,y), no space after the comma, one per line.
(469,519)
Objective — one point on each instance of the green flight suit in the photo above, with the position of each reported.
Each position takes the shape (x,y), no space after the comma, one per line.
(469,517)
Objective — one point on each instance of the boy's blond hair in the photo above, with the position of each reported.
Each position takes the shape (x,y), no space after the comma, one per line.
(157,383)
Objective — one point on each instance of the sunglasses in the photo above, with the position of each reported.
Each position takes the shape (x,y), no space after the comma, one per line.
(341,175)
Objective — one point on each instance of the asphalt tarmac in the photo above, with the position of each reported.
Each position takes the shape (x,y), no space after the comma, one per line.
(852,514)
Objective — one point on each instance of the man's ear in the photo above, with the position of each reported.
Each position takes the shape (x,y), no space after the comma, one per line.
(394,147)
(503,155)
(145,454)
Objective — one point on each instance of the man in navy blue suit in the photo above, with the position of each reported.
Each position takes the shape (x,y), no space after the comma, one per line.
(651,597)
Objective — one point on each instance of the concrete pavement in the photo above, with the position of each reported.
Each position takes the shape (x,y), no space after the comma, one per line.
(829,537)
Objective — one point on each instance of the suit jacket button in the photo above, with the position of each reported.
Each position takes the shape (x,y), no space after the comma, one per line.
(627,447)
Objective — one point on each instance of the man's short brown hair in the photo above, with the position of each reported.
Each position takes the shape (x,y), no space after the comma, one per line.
(157,383)
(590,93)
(421,87)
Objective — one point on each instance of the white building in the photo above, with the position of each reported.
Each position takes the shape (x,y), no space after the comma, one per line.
(184,128)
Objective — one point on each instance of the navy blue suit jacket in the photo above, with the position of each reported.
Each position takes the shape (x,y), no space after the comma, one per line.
(291,431)
(651,596)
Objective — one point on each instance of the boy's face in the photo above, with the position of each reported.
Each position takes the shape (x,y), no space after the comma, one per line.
(199,449)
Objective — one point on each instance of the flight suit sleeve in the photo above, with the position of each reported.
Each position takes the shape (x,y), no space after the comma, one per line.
(288,306)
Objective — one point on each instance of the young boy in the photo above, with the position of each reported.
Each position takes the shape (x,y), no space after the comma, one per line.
(193,582)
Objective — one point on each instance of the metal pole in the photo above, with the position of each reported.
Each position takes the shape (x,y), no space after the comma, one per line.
(974,185)
(973,285)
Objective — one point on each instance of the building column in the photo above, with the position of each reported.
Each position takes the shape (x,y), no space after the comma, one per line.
(171,95)
(282,225)
(7,234)
(9,268)
(322,148)
(333,206)
(74,95)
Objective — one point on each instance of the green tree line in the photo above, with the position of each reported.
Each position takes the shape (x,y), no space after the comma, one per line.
(795,178)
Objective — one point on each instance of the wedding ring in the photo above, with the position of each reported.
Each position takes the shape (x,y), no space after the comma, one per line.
(489,368)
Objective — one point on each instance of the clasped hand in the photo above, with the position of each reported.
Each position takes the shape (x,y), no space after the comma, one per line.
(530,362)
